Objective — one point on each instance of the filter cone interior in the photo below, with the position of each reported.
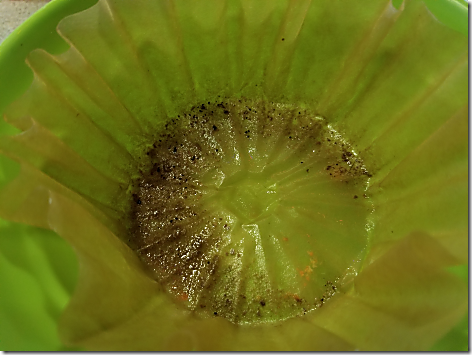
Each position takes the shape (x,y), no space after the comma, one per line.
(239,175)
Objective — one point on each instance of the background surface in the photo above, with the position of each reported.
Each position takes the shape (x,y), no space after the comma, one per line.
(14,12)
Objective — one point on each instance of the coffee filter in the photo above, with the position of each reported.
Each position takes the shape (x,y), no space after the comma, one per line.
(370,69)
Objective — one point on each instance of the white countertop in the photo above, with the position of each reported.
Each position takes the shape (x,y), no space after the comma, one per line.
(14,12)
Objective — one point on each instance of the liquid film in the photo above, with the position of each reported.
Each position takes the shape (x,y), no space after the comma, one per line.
(250,210)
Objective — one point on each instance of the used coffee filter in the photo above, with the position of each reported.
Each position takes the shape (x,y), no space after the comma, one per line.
(236,175)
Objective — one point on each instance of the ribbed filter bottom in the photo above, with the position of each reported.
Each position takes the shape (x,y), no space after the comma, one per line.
(252,211)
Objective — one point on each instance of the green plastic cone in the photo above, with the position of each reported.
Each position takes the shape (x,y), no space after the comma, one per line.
(391,79)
